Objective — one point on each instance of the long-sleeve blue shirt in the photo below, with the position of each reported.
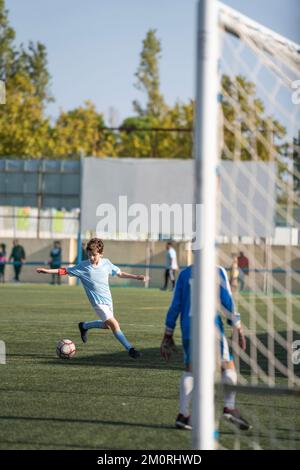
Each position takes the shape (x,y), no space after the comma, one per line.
(181,303)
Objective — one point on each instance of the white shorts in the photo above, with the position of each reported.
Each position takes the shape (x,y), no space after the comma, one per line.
(103,311)
(225,351)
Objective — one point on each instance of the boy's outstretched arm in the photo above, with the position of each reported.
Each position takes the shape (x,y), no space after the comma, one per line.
(60,271)
(137,277)
(46,271)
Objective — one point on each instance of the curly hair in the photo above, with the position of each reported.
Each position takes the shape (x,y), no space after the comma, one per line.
(95,244)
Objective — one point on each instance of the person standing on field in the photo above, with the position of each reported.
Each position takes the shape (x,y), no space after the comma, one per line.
(171,266)
(18,257)
(243,263)
(55,261)
(234,273)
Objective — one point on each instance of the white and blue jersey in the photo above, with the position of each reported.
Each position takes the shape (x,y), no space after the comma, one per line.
(95,280)
(181,305)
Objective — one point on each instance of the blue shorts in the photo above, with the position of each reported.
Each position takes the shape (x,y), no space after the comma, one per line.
(225,353)
(186,352)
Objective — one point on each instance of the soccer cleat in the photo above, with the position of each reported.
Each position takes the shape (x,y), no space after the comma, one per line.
(234,417)
(134,353)
(183,422)
(83,332)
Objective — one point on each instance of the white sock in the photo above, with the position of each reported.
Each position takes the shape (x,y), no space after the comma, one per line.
(229,377)
(185,393)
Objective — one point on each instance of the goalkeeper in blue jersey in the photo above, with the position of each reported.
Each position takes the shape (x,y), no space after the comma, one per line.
(181,305)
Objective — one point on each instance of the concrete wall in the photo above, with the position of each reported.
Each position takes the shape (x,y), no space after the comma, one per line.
(128,252)
(36,250)
(119,252)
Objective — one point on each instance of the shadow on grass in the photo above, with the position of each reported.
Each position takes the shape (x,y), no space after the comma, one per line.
(150,359)
(97,422)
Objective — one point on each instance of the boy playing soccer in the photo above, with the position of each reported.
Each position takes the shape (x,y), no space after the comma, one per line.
(94,273)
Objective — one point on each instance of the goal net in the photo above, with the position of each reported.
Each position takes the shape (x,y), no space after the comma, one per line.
(258,240)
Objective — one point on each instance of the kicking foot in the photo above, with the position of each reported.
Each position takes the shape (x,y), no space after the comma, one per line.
(134,353)
(234,417)
(83,332)
(183,422)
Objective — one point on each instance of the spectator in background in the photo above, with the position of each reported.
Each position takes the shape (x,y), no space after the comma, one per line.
(234,273)
(84,254)
(3,260)
(171,266)
(18,257)
(243,264)
(55,261)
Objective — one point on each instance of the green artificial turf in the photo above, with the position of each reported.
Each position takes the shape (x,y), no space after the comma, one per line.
(103,399)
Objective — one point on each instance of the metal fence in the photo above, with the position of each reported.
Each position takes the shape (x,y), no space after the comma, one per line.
(39,197)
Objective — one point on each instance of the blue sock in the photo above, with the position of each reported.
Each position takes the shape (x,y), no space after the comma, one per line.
(122,338)
(93,324)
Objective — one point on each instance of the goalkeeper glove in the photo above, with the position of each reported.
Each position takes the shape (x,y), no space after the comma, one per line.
(241,337)
(167,346)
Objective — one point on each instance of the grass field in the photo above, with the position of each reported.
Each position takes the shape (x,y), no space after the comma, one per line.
(102,399)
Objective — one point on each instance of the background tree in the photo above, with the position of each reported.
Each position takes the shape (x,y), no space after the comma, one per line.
(7,48)
(141,139)
(148,77)
(178,143)
(136,138)
(34,62)
(249,132)
(24,130)
(81,131)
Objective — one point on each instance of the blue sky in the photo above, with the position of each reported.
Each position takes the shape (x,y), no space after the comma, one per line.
(94,46)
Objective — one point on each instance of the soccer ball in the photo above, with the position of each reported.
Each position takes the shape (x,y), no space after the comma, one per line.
(65,349)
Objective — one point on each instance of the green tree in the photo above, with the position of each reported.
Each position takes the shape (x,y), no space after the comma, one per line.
(81,131)
(167,137)
(24,130)
(179,142)
(136,138)
(249,133)
(7,49)
(35,62)
(148,77)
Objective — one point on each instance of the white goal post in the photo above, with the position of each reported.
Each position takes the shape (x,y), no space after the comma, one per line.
(245,113)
